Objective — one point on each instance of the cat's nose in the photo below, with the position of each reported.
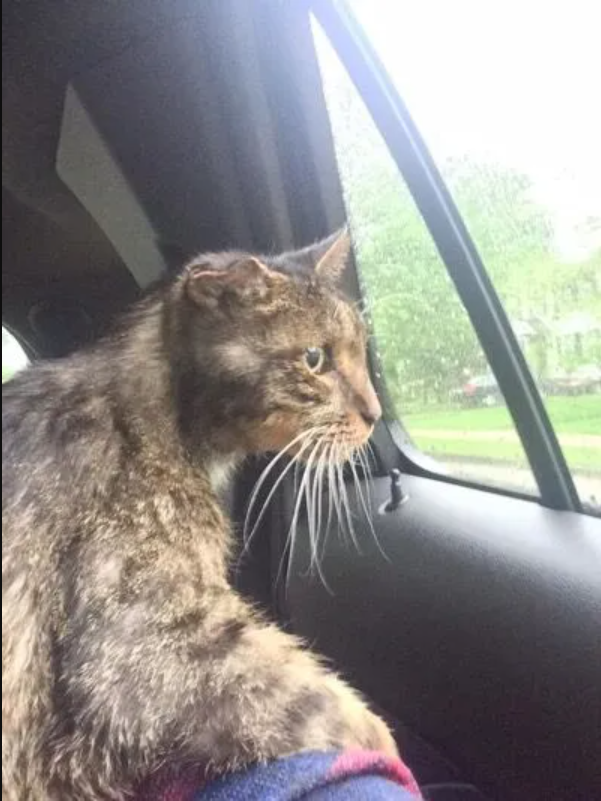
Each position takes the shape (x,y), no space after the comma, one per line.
(370,409)
(371,417)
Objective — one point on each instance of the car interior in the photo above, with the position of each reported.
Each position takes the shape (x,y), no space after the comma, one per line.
(137,134)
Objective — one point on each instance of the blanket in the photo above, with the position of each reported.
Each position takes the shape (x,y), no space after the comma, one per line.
(314,776)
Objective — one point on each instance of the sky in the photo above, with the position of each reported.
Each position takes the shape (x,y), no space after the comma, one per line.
(518,83)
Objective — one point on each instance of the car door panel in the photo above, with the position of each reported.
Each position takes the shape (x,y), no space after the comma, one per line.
(479,628)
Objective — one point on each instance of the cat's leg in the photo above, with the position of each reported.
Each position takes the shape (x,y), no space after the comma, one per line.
(218,688)
(267,696)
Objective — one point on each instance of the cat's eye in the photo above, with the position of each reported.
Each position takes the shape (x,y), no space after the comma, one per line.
(315,359)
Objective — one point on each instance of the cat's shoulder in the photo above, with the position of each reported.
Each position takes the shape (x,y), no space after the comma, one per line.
(51,400)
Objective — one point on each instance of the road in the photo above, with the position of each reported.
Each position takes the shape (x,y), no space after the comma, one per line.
(520,479)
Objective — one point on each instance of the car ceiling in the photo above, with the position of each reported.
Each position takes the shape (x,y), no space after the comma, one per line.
(199,117)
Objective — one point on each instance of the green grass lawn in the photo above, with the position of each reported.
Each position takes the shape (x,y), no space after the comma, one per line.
(576,415)
(570,416)
(587,459)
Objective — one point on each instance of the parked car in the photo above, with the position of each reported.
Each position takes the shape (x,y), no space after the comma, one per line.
(479,390)
(583,380)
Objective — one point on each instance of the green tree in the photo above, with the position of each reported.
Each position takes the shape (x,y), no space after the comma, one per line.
(423,333)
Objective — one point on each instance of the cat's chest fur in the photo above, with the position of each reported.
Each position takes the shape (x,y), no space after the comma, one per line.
(220,471)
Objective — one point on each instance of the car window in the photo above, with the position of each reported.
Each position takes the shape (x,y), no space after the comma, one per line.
(433,365)
(517,142)
(14,357)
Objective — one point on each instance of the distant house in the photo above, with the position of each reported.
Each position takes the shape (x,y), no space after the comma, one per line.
(562,344)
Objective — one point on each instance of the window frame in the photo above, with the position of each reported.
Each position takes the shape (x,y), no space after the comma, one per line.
(461,259)
(28,351)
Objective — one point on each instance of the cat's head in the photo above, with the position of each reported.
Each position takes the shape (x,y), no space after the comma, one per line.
(276,352)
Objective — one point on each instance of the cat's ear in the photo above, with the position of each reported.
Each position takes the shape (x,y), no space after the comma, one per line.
(326,259)
(246,281)
(334,255)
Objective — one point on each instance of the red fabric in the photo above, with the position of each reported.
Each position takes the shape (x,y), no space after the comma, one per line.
(166,788)
(357,761)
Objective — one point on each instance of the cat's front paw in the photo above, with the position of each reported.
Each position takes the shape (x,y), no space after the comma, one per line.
(344,721)
(377,736)
(365,729)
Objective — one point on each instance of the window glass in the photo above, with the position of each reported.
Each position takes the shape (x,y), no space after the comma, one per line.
(14,357)
(505,96)
(434,368)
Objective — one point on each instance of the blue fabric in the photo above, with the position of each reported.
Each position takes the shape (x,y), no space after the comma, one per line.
(361,788)
(304,777)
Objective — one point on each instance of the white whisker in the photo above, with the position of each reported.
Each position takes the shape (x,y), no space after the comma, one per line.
(346,506)
(319,484)
(364,461)
(264,474)
(291,536)
(328,466)
(334,492)
(329,489)
(366,511)
(310,496)
(263,477)
(248,538)
(317,502)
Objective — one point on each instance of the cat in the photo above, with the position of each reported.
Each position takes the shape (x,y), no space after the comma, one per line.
(123,645)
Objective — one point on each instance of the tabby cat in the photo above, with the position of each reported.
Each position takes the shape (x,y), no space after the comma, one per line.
(123,645)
